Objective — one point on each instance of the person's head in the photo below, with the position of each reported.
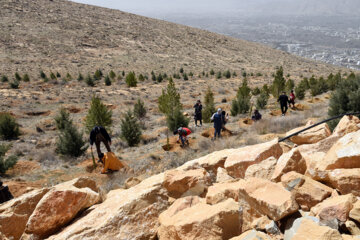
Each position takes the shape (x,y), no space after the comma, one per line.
(219,111)
(97,129)
(284,93)
(198,101)
(256,111)
(292,91)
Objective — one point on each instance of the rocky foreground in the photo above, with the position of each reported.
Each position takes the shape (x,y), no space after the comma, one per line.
(310,190)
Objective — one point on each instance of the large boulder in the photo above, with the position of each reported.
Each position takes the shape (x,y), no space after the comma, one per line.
(268,198)
(125,214)
(237,163)
(306,191)
(334,208)
(291,161)
(355,212)
(201,221)
(345,153)
(60,205)
(347,124)
(252,235)
(345,180)
(310,136)
(222,175)
(221,191)
(15,213)
(181,183)
(264,169)
(309,228)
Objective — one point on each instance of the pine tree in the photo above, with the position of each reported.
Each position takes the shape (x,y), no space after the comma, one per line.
(218,75)
(141,78)
(98,115)
(212,72)
(227,74)
(9,128)
(139,109)
(241,104)
(80,77)
(90,81)
(131,79)
(185,77)
(130,129)
(7,163)
(169,104)
(52,76)
(62,119)
(4,78)
(68,77)
(209,108)
(290,85)
(58,75)
(181,70)
(262,100)
(107,81)
(14,84)
(42,74)
(26,78)
(256,91)
(234,74)
(159,78)
(300,91)
(71,142)
(17,76)
(112,75)
(278,85)
(98,74)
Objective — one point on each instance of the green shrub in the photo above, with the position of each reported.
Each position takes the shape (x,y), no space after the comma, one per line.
(227,74)
(58,75)
(90,81)
(4,78)
(234,74)
(17,76)
(153,76)
(7,163)
(98,74)
(80,77)
(169,104)
(212,72)
(131,79)
(191,74)
(14,84)
(26,78)
(139,109)
(98,115)
(241,104)
(42,74)
(278,85)
(123,73)
(107,81)
(300,91)
(262,100)
(290,85)
(345,99)
(159,78)
(112,75)
(71,142)
(265,89)
(181,70)
(9,129)
(62,119)
(305,83)
(130,129)
(256,91)
(218,75)
(244,74)
(52,76)
(141,78)
(185,77)
(68,77)
(209,108)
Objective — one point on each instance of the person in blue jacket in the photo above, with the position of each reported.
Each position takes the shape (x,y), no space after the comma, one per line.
(218,123)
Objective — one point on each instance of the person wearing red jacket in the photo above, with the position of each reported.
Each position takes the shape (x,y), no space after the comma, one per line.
(183,133)
(292,99)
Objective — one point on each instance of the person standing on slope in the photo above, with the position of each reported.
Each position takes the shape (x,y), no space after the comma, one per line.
(218,123)
(292,99)
(284,100)
(198,113)
(97,135)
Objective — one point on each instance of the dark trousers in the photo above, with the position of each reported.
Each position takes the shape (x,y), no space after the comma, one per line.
(196,120)
(284,108)
(100,138)
(217,132)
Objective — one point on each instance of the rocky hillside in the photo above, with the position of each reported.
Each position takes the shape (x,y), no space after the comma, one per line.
(309,189)
(58,35)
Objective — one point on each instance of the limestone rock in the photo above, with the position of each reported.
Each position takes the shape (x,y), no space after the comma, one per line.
(237,163)
(260,224)
(60,205)
(350,237)
(335,208)
(125,214)
(264,169)
(345,153)
(306,191)
(202,221)
(132,181)
(345,180)
(15,213)
(310,136)
(222,175)
(355,212)
(221,191)
(183,203)
(309,228)
(291,161)
(252,235)
(352,227)
(347,124)
(268,198)
(181,183)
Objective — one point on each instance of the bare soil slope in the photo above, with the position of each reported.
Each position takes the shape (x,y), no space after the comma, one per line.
(59,35)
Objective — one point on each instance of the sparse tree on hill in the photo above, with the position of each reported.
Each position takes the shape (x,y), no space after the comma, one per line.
(290,85)
(141,78)
(185,77)
(244,74)
(71,142)
(300,91)
(234,74)
(62,119)
(159,78)
(256,91)
(80,77)
(212,72)
(98,74)
(181,70)
(112,74)
(58,75)
(191,74)
(26,78)
(42,75)
(241,104)
(14,84)
(9,128)
(17,76)
(278,85)
(68,77)
(218,75)
(4,78)
(131,79)
(209,108)
(98,115)
(52,76)
(89,81)
(107,81)
(139,109)
(6,163)
(227,74)
(123,73)
(130,129)
(262,100)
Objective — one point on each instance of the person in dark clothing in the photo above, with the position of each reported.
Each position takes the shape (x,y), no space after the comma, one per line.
(183,133)
(257,116)
(5,194)
(198,112)
(218,123)
(284,100)
(97,135)
(224,119)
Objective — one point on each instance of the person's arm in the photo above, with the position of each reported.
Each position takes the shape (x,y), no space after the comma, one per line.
(200,107)
(105,134)
(212,117)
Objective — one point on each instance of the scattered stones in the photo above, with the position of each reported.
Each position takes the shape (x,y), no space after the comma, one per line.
(310,136)
(252,235)
(345,180)
(132,181)
(222,175)
(222,191)
(264,169)
(355,212)
(347,124)
(291,161)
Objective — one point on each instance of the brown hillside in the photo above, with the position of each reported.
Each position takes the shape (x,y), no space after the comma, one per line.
(62,36)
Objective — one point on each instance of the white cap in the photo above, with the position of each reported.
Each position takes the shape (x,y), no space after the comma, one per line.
(219,110)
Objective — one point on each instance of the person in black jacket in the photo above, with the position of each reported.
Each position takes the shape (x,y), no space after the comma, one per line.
(198,112)
(5,194)
(284,100)
(97,135)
